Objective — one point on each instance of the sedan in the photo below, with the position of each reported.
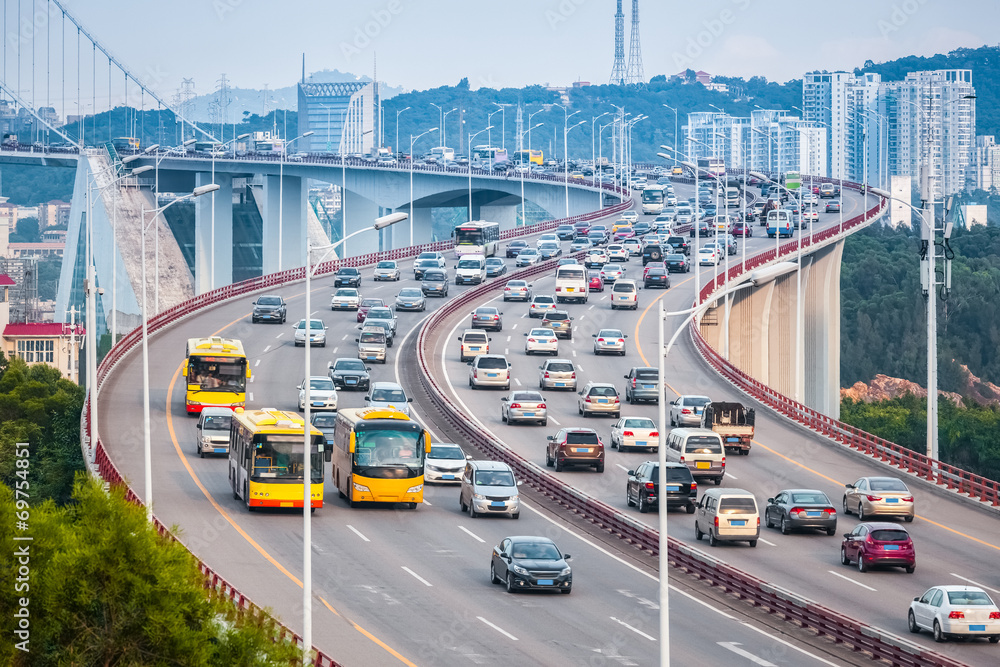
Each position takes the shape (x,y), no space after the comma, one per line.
(609,341)
(368,304)
(435,282)
(686,410)
(634,247)
(382,313)
(541,341)
(595,282)
(422,266)
(630,216)
(796,509)
(347,276)
(653,265)
(618,253)
(349,374)
(833,206)
(612,272)
(517,289)
(597,257)
(322,394)
(549,250)
(656,277)
(345,298)
(677,264)
(317,333)
(955,611)
(630,433)
(541,304)
(579,244)
(810,215)
(410,298)
(386,270)
(487,317)
(741,229)
(444,463)
(524,406)
(515,247)
(527,257)
(546,238)
(524,563)
(495,266)
(874,544)
(870,496)
(810,198)
(708,256)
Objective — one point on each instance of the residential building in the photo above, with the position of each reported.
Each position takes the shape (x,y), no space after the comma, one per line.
(343,117)
(35,250)
(53,214)
(39,342)
(986,163)
(847,105)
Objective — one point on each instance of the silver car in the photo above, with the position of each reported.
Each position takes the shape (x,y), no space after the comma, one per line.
(599,398)
(345,298)
(410,298)
(609,341)
(489,487)
(387,270)
(317,333)
(388,395)
(489,370)
(541,304)
(524,406)
(444,463)
(527,257)
(517,289)
(884,496)
(686,410)
(557,374)
(322,393)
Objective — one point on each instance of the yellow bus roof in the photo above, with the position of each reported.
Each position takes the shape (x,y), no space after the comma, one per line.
(272,420)
(216,345)
(361,414)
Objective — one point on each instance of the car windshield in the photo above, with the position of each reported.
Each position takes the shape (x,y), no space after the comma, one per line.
(492,363)
(370,303)
(544,299)
(424,263)
(528,251)
(532,396)
(557,316)
(703,444)
(647,374)
(639,423)
(450,452)
(434,276)
(486,311)
(389,395)
(697,401)
(468,264)
(542,333)
(494,261)
(348,272)
(380,313)
(372,337)
(475,338)
(517,284)
(313,324)
(218,423)
(560,367)
(322,384)
(675,258)
(890,535)
(494,478)
(603,391)
(346,292)
(323,420)
(624,287)
(887,485)
(269,301)
(411,292)
(386,265)
(349,365)
(737,506)
(610,333)
(427,255)
(582,438)
(535,551)
(969,597)
(810,499)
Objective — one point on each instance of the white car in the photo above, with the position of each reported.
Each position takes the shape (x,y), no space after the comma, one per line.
(444,463)
(527,257)
(541,341)
(541,304)
(634,433)
(386,270)
(634,246)
(955,611)
(686,410)
(595,257)
(345,298)
(630,216)
(810,215)
(810,198)
(618,253)
(317,333)
(609,341)
(708,256)
(547,238)
(612,272)
(322,393)
(388,395)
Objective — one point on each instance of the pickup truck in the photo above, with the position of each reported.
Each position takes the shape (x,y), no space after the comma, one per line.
(733,422)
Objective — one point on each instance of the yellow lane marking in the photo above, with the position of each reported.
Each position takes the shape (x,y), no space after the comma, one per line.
(225,515)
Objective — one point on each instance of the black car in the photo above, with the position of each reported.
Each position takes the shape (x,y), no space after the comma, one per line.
(656,277)
(268,308)
(435,281)
(642,228)
(652,253)
(793,509)
(704,229)
(677,263)
(325,422)
(349,373)
(565,232)
(525,563)
(644,484)
(679,244)
(495,266)
(347,277)
(515,247)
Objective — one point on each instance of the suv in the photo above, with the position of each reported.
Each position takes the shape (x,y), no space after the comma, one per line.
(472,344)
(599,397)
(652,253)
(625,294)
(560,322)
(435,281)
(348,276)
(348,373)
(270,308)
(643,384)
(575,446)
(489,370)
(557,374)
(643,487)
(489,487)
(679,244)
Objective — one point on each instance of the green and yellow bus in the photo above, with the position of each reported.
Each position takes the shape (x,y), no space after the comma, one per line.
(216,372)
(792,180)
(378,456)
(267,462)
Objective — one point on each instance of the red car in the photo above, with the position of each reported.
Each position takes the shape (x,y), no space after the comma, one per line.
(871,544)
(596,282)
(366,304)
(741,229)
(650,265)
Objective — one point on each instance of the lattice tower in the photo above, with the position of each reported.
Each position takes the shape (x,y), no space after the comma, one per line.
(618,70)
(634,74)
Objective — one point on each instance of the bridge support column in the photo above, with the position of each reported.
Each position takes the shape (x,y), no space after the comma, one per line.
(360,213)
(822,331)
(505,215)
(221,203)
(423,226)
(285,224)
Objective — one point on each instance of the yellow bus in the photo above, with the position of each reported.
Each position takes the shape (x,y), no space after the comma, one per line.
(378,456)
(528,157)
(216,373)
(266,463)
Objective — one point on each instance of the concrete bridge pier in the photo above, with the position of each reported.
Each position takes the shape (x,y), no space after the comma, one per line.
(360,213)
(285,225)
(222,227)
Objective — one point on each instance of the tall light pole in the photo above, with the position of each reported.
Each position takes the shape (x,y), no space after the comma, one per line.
(413,139)
(281,189)
(146,441)
(593,151)
(471,137)
(397,128)
(528,166)
(503,124)
(675,129)
(600,157)
(566,158)
(530,126)
(444,133)
(489,121)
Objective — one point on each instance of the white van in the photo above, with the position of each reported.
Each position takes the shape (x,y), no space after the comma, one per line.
(779,221)
(571,283)
(625,294)
(470,269)
(727,515)
(700,449)
(732,197)
(213,431)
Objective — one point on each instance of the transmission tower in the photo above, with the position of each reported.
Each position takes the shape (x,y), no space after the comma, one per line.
(618,72)
(634,74)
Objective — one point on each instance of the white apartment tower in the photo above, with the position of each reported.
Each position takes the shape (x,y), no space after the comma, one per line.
(847,105)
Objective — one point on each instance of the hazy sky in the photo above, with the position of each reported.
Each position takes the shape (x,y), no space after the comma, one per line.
(428,43)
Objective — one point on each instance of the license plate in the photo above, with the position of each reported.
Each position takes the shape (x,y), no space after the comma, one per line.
(602,400)
(474,348)
(560,384)
(498,503)
(546,582)
(492,375)
(892,500)
(640,443)
(371,357)
(623,298)
(220,450)
(648,386)
(529,414)
(447,477)
(891,547)
(732,439)
(738,522)
(569,289)
(673,487)
(702,465)
(581,450)
(318,405)
(977,628)
(811,514)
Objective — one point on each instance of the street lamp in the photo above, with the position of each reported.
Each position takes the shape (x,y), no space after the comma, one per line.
(281,189)
(593,152)
(600,157)
(523,167)
(146,441)
(413,139)
(397,128)
(675,128)
(444,132)
(566,131)
(471,137)
(489,121)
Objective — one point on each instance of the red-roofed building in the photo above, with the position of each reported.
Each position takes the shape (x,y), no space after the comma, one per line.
(6,281)
(39,342)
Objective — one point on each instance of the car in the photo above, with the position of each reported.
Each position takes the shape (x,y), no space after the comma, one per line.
(565,232)
(515,247)
(597,237)
(755,211)
(384,325)
(686,410)
(810,199)
(678,244)
(652,252)
(657,277)
(741,229)
(704,229)
(317,333)
(489,487)
(345,298)
(517,289)
(595,283)
(549,250)
(643,228)
(827,190)
(527,257)
(422,266)
(495,266)
(326,422)
(541,304)
(873,544)
(609,341)
(557,374)
(728,242)
(617,253)
(541,340)
(633,246)
(560,322)
(624,294)
(435,282)
(955,611)
(348,276)
(322,394)
(642,383)
(472,343)
(623,233)
(471,269)
(526,563)
(810,215)
(269,308)
(444,463)
(708,256)
(595,257)
(410,298)
(800,509)
(874,496)
(388,395)
(546,238)
(630,216)
(348,373)
(382,313)
(366,305)
(629,433)
(612,272)
(727,515)
(833,206)
(524,406)
(677,263)
(489,370)
(643,485)
(574,446)
(487,317)
(386,270)
(579,244)
(435,255)
(599,398)
(653,265)
(563,261)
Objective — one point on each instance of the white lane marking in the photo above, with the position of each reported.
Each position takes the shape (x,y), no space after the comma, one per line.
(524,316)
(732,646)
(517,381)
(856,583)
(357,532)
(345,336)
(334,350)
(574,352)
(266,349)
(622,467)
(731,476)
(280,335)
(579,367)
(592,307)
(425,502)
(581,317)
(974,583)
(469,532)
(513,327)
(417,577)
(770,544)
(635,630)
(250,395)
(508,340)
(497,628)
(255,365)
(788,644)
(313,313)
(554,421)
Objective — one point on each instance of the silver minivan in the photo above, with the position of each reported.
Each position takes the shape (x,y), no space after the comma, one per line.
(213,431)
(700,449)
(727,515)
(372,344)
(489,487)
(489,370)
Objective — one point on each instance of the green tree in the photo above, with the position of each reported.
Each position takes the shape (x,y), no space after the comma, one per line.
(49,269)
(26,231)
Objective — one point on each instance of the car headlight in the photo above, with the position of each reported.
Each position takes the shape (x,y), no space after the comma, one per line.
(478,496)
(514,498)
(565,571)
(519,570)
(415,489)
(205,440)
(361,487)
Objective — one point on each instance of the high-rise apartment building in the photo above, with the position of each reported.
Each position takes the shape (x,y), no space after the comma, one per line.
(847,105)
(986,163)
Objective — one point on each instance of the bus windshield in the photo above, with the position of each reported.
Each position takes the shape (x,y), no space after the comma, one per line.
(389,453)
(218,373)
(650,196)
(468,236)
(279,457)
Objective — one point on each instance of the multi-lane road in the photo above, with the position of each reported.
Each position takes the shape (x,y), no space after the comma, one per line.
(396,585)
